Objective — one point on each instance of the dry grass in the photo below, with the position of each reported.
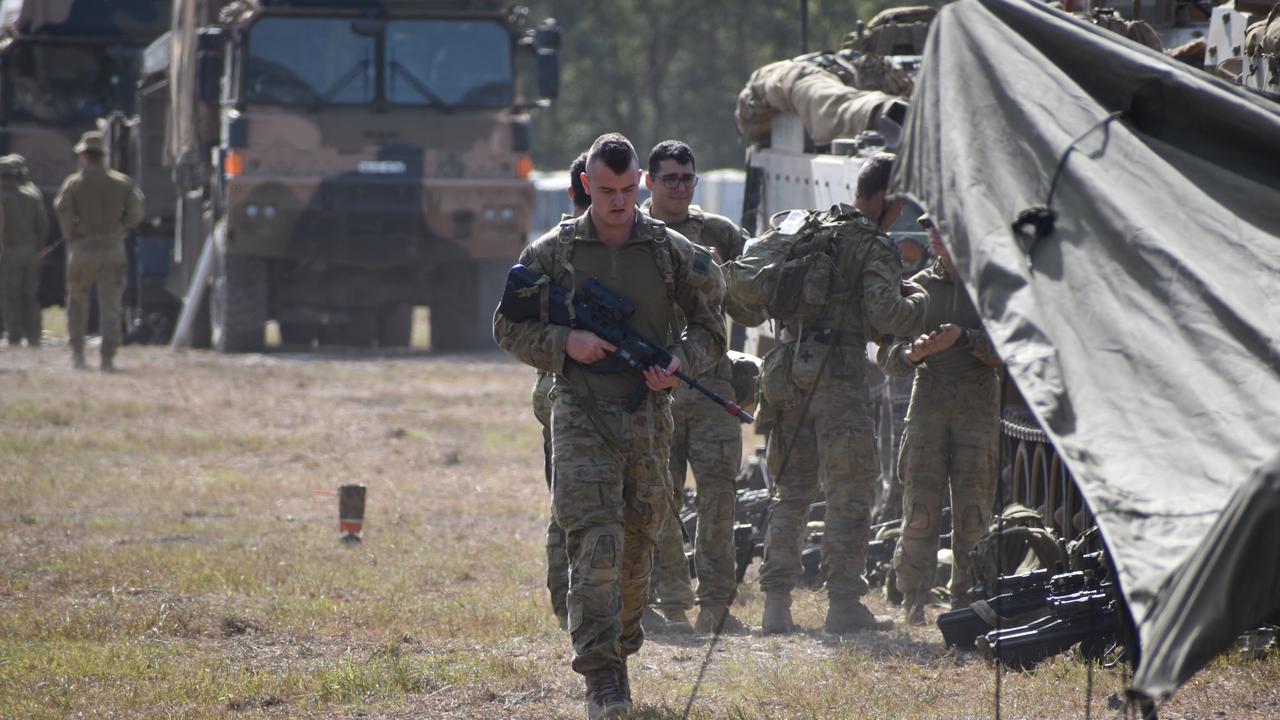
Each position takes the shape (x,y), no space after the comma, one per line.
(169,550)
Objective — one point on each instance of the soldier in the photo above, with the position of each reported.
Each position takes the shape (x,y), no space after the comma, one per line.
(557,560)
(705,437)
(95,206)
(954,428)
(826,438)
(609,483)
(26,225)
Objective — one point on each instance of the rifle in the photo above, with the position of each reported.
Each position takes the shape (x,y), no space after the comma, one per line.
(604,313)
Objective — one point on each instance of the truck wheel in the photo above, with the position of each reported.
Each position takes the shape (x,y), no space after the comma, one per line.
(462,311)
(201,327)
(395,326)
(238,303)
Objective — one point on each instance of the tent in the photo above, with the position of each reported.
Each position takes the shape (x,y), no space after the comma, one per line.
(1143,327)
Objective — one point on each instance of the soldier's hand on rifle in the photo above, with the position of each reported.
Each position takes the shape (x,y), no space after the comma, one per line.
(586,347)
(655,378)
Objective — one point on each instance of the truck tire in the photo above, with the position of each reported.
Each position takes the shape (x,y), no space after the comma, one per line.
(395,326)
(238,302)
(462,311)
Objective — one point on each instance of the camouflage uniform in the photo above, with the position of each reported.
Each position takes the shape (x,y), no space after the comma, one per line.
(710,440)
(953,431)
(95,206)
(834,445)
(26,226)
(609,484)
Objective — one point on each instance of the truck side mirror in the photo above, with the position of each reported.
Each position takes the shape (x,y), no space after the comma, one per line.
(548,74)
(209,47)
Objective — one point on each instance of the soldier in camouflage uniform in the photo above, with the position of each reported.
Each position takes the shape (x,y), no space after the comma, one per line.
(26,226)
(95,206)
(557,559)
(825,438)
(706,437)
(953,431)
(610,484)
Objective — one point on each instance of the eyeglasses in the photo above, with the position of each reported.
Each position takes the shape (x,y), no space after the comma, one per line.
(674,181)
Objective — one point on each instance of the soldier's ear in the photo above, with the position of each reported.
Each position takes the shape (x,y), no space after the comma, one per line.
(648,181)
(586,183)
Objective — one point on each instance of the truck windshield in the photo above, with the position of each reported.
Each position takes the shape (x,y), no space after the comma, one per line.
(306,61)
(68,84)
(448,62)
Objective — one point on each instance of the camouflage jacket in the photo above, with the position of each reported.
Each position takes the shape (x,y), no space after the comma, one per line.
(96,205)
(26,224)
(666,277)
(870,303)
(949,303)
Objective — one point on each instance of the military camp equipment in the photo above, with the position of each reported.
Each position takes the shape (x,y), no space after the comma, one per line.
(1170,435)
(340,162)
(529,295)
(351,512)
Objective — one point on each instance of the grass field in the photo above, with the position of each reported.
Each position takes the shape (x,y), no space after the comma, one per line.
(170,550)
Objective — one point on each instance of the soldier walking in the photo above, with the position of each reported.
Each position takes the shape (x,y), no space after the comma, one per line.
(953,431)
(557,559)
(26,227)
(95,206)
(609,484)
(825,438)
(705,437)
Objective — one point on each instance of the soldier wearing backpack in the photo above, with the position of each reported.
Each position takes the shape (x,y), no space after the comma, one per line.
(831,281)
(609,476)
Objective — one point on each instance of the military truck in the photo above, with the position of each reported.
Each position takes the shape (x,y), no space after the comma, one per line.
(330,164)
(63,64)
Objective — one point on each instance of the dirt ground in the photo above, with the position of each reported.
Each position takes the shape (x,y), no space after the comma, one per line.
(170,549)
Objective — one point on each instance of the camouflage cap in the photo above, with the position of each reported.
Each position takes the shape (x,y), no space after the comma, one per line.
(91,141)
(16,159)
(9,167)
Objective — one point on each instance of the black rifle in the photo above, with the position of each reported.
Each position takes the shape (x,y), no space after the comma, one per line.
(604,313)
(1089,617)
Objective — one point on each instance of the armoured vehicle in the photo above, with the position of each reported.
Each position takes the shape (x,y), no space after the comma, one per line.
(63,64)
(331,164)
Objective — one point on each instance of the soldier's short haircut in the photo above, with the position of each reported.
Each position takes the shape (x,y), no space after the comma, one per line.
(580,197)
(615,151)
(670,150)
(874,176)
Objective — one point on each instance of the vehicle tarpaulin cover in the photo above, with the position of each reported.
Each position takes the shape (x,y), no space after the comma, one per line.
(1143,330)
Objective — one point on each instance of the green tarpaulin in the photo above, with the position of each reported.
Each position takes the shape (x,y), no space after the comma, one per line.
(1143,330)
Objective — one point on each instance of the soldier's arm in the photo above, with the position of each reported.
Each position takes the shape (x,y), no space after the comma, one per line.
(889,312)
(982,348)
(704,340)
(133,207)
(42,220)
(735,239)
(65,206)
(532,342)
(891,357)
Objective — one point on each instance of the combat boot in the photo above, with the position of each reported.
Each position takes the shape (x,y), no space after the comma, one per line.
(77,360)
(913,609)
(777,614)
(717,618)
(847,616)
(606,697)
(677,622)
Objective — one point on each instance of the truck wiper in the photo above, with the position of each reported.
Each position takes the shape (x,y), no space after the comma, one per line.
(427,93)
(338,86)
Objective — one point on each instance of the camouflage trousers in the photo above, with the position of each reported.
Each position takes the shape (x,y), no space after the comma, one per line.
(557,560)
(710,440)
(106,267)
(953,432)
(19,301)
(832,448)
(609,491)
